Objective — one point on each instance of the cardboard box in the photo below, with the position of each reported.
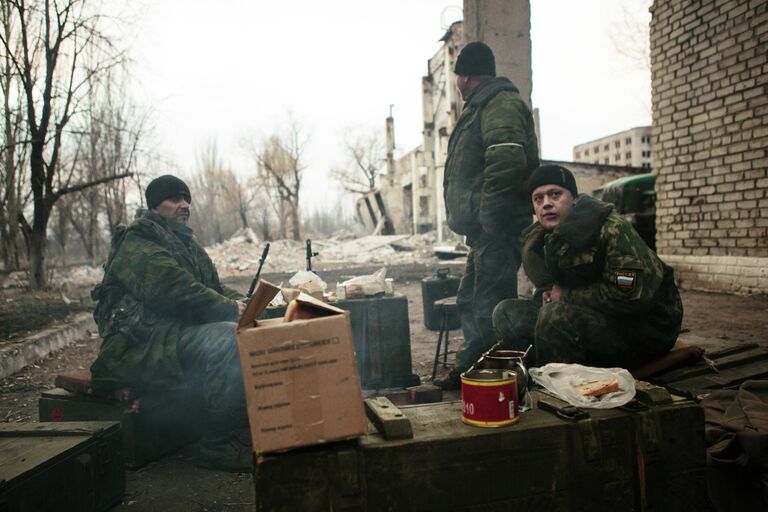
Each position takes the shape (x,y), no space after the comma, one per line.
(301,382)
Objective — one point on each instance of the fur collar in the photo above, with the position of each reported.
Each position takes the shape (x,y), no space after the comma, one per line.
(582,227)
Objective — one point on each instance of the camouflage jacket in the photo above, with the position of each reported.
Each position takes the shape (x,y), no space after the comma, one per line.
(157,279)
(491,153)
(599,261)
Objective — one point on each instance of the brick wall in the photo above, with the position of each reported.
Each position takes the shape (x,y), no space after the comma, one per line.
(710,125)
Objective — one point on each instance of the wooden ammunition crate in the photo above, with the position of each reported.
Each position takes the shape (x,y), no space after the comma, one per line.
(646,457)
(153,426)
(47,467)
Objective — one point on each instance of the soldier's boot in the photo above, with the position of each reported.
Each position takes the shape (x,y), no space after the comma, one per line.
(451,381)
(225,445)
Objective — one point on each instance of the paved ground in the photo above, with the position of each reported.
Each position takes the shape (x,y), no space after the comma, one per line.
(175,484)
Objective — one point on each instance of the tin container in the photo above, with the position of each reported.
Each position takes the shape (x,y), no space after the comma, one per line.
(489,397)
(513,360)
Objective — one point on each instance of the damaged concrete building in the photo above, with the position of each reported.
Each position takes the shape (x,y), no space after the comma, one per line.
(411,196)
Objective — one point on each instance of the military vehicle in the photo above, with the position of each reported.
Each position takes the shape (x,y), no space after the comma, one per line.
(635,199)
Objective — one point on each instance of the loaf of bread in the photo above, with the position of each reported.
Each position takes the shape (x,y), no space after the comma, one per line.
(301,310)
(596,388)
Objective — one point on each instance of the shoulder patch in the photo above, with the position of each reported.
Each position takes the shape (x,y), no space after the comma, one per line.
(626,280)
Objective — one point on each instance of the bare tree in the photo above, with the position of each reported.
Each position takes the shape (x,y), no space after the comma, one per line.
(222,200)
(366,154)
(12,149)
(631,36)
(49,58)
(109,131)
(280,164)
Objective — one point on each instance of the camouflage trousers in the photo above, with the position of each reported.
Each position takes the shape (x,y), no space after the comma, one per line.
(565,333)
(490,276)
(210,361)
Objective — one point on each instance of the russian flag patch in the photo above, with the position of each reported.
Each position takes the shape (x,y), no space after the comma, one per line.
(626,280)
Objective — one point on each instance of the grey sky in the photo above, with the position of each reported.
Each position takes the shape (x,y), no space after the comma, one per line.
(221,70)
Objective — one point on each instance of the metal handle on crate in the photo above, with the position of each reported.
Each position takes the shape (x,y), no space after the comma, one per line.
(442,273)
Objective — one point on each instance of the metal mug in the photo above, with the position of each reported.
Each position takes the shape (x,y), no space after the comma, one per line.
(504,359)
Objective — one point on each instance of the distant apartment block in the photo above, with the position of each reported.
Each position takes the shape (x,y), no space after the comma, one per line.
(630,148)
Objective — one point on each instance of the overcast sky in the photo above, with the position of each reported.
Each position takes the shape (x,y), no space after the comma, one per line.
(219,71)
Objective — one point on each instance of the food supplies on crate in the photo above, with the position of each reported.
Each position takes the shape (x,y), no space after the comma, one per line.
(586,386)
(365,286)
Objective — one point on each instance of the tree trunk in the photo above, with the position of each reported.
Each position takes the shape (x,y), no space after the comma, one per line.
(38,279)
(295,228)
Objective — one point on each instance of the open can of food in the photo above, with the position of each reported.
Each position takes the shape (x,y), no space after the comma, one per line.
(489,397)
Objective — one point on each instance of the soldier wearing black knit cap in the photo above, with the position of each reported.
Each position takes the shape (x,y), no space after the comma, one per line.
(491,153)
(603,298)
(168,322)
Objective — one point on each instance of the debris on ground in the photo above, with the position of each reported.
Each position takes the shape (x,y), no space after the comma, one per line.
(234,258)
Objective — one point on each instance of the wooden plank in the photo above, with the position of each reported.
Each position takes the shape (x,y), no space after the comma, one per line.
(389,420)
(730,359)
(741,358)
(732,350)
(729,379)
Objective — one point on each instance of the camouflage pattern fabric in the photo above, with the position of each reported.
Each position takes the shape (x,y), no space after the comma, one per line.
(619,303)
(490,276)
(160,309)
(491,153)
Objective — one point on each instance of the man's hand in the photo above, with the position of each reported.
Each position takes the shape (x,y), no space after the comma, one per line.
(552,295)
(241,305)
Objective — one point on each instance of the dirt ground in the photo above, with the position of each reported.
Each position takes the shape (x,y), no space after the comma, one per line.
(175,484)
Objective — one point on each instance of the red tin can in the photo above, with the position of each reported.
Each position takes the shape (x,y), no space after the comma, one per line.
(489,397)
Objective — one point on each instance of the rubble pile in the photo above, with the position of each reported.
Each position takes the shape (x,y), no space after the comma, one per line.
(238,257)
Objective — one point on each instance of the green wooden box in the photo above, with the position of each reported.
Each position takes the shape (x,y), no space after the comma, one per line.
(652,458)
(382,336)
(52,467)
(161,425)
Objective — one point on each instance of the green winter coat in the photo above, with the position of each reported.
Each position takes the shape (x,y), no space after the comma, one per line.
(491,153)
(600,262)
(157,281)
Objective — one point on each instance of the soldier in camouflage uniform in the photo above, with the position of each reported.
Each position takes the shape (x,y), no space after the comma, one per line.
(603,298)
(167,322)
(491,153)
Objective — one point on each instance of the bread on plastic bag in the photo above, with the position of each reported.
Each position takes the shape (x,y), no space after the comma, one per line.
(308,282)
(574,383)
(365,286)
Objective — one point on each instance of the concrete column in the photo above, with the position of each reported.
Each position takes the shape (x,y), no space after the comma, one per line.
(505,26)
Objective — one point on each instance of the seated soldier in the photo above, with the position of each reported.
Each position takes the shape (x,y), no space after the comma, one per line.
(167,322)
(603,298)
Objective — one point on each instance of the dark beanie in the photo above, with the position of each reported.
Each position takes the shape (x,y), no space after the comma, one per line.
(475,59)
(552,175)
(166,187)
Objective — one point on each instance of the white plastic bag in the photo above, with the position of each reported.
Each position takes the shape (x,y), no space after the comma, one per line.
(365,286)
(308,282)
(562,380)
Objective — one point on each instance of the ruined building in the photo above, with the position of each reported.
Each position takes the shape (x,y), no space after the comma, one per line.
(411,196)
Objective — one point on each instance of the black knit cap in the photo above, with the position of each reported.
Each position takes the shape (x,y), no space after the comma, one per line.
(552,175)
(166,187)
(475,59)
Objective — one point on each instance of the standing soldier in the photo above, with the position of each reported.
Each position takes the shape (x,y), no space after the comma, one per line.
(491,153)
(603,297)
(167,321)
